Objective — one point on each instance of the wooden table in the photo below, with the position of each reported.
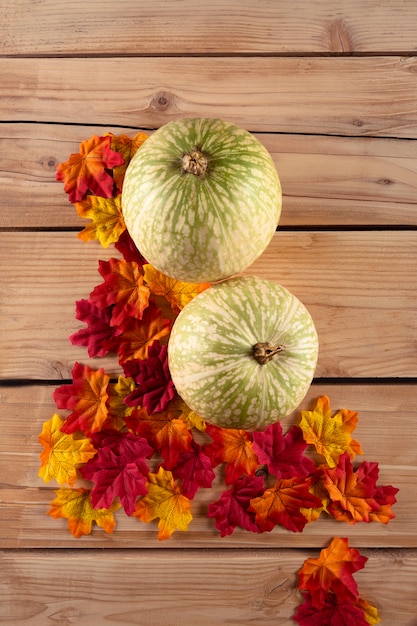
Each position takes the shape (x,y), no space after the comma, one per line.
(330,88)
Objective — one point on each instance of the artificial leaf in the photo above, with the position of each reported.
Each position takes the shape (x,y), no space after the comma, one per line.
(86,171)
(179,409)
(282,454)
(114,477)
(194,469)
(125,444)
(125,245)
(165,501)
(122,287)
(282,503)
(87,397)
(118,410)
(232,508)
(107,223)
(153,379)
(75,506)
(334,612)
(233,447)
(352,493)
(370,612)
(332,571)
(316,487)
(331,436)
(127,147)
(99,337)
(138,335)
(166,434)
(385,497)
(62,453)
(177,293)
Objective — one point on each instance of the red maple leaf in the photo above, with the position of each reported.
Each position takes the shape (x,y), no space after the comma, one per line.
(334,612)
(99,337)
(283,454)
(166,434)
(282,504)
(154,383)
(127,248)
(86,171)
(87,397)
(232,509)
(194,469)
(125,444)
(332,571)
(113,478)
(122,287)
(233,447)
(138,335)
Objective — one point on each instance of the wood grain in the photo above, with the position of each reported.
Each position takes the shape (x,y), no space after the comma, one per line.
(331,96)
(330,181)
(204,588)
(238,27)
(386,414)
(363,332)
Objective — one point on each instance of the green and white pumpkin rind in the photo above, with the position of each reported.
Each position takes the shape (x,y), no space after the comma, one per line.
(201,228)
(211,360)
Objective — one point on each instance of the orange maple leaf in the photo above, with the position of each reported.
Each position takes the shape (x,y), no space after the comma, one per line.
(118,410)
(75,506)
(107,220)
(62,453)
(164,500)
(331,436)
(138,335)
(86,171)
(127,147)
(176,292)
(234,447)
(332,570)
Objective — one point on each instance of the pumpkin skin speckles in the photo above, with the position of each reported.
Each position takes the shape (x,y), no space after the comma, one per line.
(211,353)
(201,218)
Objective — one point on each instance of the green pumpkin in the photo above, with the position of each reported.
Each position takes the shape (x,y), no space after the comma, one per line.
(243,353)
(201,199)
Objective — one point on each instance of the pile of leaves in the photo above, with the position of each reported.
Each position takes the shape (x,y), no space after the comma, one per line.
(134,443)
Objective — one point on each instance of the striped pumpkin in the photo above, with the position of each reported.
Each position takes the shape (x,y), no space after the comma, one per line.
(201,199)
(243,353)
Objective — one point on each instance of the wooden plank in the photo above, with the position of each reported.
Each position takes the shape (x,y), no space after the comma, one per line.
(363,331)
(386,414)
(188,588)
(49,27)
(332,96)
(325,180)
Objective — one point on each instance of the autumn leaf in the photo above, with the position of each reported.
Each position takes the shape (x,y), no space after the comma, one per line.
(316,488)
(176,292)
(86,171)
(62,453)
(332,571)
(179,409)
(165,501)
(233,447)
(107,223)
(370,612)
(129,251)
(331,436)
(122,287)
(99,337)
(153,379)
(282,454)
(232,508)
(127,147)
(114,477)
(75,506)
(138,335)
(334,612)
(194,469)
(166,434)
(87,398)
(282,503)
(118,410)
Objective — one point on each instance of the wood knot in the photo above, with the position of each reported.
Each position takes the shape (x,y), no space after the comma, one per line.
(49,162)
(339,38)
(161,101)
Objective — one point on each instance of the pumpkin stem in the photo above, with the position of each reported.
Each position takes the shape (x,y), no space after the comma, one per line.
(264,351)
(194,162)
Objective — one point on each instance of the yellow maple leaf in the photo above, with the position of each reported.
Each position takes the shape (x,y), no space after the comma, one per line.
(177,292)
(118,410)
(370,612)
(331,436)
(62,453)
(179,409)
(164,500)
(107,220)
(75,506)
